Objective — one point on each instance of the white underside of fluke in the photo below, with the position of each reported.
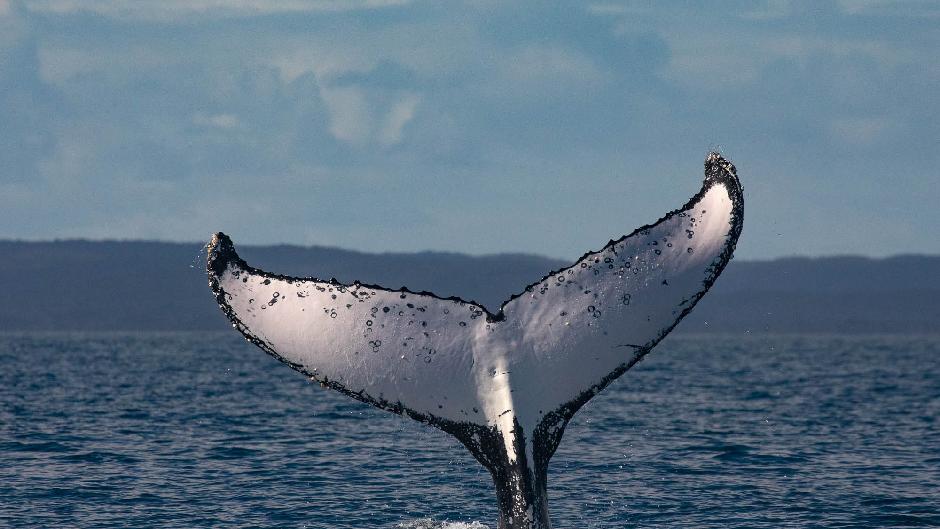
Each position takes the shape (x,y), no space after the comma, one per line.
(451,360)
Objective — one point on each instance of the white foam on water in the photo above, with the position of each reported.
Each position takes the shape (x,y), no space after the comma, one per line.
(428,523)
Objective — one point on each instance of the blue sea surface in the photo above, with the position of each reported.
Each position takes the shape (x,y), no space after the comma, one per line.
(205,430)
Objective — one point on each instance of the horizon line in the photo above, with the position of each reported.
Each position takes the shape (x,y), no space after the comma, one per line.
(429,251)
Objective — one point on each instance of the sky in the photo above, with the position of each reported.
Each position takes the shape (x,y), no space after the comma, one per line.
(476,127)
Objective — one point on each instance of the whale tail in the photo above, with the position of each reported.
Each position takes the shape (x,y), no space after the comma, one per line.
(504,383)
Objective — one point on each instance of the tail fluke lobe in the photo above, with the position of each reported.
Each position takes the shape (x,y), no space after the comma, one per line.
(406,352)
(581,327)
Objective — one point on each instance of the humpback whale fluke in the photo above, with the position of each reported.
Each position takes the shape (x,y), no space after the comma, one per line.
(505,384)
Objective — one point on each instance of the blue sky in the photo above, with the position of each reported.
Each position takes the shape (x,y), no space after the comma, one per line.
(476,127)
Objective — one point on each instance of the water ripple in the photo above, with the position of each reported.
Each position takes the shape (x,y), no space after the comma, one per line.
(190,430)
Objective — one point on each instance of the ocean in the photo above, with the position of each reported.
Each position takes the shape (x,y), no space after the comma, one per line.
(204,430)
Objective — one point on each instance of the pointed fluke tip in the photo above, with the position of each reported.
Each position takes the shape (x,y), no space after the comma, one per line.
(718,168)
(219,252)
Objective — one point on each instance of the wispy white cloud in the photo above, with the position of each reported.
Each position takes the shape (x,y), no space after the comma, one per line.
(540,64)
(220,121)
(401,113)
(904,8)
(58,65)
(323,59)
(168,10)
(358,120)
(622,8)
(717,61)
(768,10)
(12,27)
(861,130)
(542,71)
(350,115)
(802,47)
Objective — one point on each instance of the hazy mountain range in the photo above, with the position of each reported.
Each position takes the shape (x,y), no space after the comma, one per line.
(83,285)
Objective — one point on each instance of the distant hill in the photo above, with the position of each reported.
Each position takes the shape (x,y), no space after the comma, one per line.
(831,294)
(84,285)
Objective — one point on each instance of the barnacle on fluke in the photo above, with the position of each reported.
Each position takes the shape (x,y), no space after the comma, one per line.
(504,383)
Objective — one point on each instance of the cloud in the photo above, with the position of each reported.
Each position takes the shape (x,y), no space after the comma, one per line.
(115,118)
(28,110)
(716,61)
(548,68)
(768,10)
(182,10)
(358,121)
(861,130)
(12,26)
(350,115)
(904,8)
(618,9)
(386,74)
(401,113)
(221,121)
